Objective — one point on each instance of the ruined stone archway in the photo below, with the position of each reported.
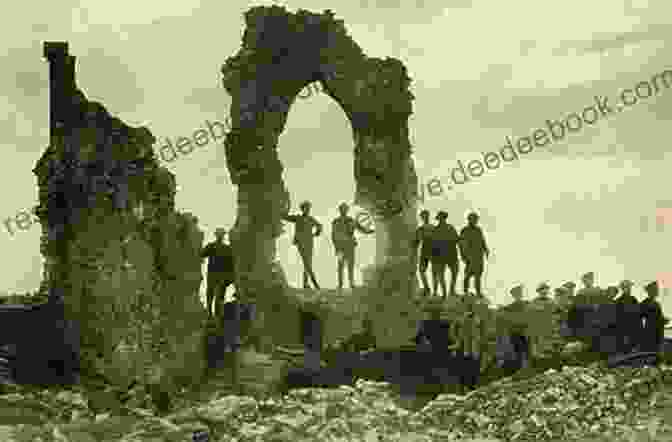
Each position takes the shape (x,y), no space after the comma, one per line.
(281,53)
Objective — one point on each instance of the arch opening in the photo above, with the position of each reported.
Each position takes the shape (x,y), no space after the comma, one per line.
(282,53)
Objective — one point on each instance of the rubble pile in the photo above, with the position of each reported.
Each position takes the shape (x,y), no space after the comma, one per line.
(568,405)
(571,404)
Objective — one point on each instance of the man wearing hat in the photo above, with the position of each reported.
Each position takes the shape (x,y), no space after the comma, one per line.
(561,297)
(343,237)
(653,329)
(543,298)
(611,293)
(474,250)
(445,241)
(220,268)
(544,308)
(469,338)
(514,327)
(590,293)
(306,228)
(629,322)
(570,286)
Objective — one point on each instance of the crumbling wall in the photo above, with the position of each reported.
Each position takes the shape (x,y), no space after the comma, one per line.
(125,262)
(281,53)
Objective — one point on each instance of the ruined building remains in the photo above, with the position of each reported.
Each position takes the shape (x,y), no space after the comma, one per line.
(281,53)
(124,262)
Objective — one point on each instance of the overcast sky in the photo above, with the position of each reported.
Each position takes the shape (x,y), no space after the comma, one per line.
(482,70)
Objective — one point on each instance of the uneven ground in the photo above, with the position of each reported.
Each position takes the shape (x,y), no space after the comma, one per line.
(575,404)
(588,403)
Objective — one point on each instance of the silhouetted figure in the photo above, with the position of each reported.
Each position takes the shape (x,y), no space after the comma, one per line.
(570,286)
(653,329)
(343,237)
(468,337)
(611,292)
(423,245)
(474,250)
(444,254)
(543,298)
(583,302)
(590,293)
(549,308)
(221,271)
(630,326)
(306,227)
(561,298)
(513,315)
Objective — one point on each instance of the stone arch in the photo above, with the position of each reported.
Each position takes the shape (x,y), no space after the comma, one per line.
(281,53)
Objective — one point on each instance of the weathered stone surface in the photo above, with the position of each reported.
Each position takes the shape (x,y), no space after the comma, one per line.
(126,263)
(281,53)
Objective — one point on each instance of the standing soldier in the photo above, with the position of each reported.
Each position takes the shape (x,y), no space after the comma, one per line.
(584,302)
(611,293)
(653,329)
(343,237)
(444,254)
(220,268)
(423,241)
(570,287)
(514,318)
(590,293)
(468,334)
(306,227)
(474,250)
(561,297)
(543,298)
(544,339)
(629,317)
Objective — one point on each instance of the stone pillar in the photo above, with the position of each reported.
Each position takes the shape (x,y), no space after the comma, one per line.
(61,90)
(61,85)
(253,239)
(387,188)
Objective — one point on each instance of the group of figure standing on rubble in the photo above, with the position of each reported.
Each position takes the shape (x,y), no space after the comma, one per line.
(641,324)
(221,270)
(636,326)
(442,246)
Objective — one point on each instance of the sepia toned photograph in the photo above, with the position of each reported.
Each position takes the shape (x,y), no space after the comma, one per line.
(364,221)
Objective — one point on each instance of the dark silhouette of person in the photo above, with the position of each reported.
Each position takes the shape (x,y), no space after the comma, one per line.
(306,227)
(610,293)
(629,322)
(221,271)
(513,315)
(423,244)
(474,250)
(653,329)
(589,293)
(343,237)
(571,288)
(444,254)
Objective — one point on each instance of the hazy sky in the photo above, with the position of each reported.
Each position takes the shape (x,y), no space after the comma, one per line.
(481,71)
